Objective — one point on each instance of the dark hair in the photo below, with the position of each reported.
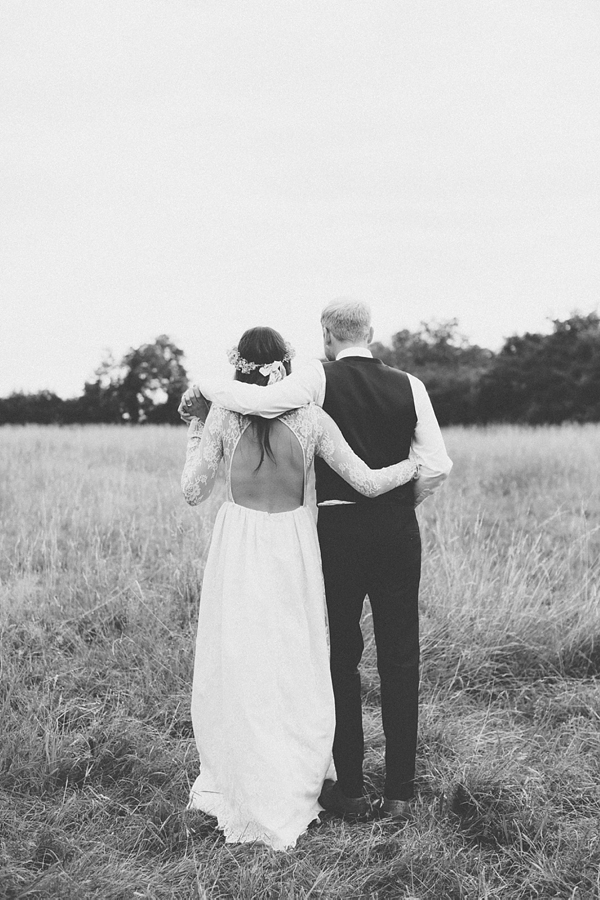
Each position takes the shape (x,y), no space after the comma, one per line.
(261,345)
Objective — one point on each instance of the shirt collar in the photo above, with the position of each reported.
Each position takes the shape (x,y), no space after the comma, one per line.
(354,351)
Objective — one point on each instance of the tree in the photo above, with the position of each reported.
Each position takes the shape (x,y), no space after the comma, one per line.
(448,364)
(43,408)
(100,399)
(145,386)
(154,381)
(546,378)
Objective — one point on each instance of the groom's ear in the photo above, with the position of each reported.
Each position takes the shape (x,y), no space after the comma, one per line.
(370,335)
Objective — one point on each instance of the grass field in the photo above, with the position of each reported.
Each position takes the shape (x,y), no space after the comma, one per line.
(101,564)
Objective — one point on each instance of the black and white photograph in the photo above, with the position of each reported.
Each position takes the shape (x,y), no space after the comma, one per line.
(299,450)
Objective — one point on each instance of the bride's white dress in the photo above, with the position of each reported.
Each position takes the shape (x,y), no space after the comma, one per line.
(262,701)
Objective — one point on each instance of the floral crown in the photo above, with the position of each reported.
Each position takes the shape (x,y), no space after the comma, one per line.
(244,366)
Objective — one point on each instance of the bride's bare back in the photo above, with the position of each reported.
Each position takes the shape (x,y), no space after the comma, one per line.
(278,484)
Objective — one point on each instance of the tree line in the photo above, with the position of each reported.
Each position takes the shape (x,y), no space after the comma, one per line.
(534,379)
(144,387)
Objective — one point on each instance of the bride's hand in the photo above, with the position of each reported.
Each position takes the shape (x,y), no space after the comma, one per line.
(193,404)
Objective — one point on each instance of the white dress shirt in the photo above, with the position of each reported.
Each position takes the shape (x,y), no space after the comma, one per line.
(307,385)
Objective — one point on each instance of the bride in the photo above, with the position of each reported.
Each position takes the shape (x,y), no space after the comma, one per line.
(262,701)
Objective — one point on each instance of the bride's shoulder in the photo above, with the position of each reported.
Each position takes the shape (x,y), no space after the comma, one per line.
(216,413)
(306,413)
(306,421)
(221,417)
(221,412)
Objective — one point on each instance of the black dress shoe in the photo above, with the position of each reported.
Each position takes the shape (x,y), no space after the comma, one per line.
(334,800)
(396,810)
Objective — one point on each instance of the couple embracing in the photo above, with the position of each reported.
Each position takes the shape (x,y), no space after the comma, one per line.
(276,702)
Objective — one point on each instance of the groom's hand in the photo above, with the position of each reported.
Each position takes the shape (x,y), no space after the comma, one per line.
(193,403)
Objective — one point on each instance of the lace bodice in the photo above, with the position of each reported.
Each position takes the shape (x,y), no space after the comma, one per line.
(316,432)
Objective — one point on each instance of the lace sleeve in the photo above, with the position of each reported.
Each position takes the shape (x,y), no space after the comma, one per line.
(337,453)
(204,453)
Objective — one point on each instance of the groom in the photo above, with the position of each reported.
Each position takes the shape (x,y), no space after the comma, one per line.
(369,546)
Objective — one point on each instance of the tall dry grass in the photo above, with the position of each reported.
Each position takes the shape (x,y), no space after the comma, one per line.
(100,568)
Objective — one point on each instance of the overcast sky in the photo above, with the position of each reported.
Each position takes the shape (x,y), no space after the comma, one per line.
(194,168)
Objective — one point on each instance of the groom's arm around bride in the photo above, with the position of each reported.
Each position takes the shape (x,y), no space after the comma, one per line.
(308,385)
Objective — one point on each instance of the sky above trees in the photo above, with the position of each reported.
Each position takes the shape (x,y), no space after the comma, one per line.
(198,168)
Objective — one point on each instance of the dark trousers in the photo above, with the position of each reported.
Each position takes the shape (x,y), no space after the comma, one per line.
(374,550)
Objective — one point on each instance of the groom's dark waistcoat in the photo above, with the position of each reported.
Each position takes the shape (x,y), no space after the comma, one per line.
(374,408)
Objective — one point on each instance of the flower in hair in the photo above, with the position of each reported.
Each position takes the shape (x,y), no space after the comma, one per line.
(238,362)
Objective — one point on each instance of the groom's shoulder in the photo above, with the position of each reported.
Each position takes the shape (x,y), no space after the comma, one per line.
(367,364)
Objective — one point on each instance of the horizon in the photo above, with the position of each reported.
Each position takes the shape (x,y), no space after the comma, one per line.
(225,369)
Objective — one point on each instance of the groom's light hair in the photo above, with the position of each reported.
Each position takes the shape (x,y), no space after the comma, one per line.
(347,320)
